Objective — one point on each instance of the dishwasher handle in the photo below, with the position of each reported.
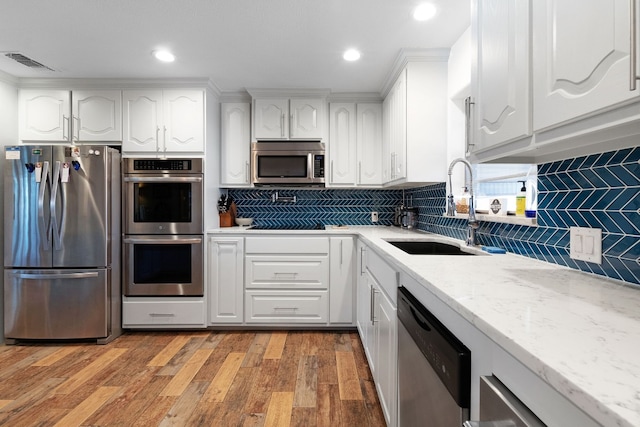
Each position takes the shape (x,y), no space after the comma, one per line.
(502,423)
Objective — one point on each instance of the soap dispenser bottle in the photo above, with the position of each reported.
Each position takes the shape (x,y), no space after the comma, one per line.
(521,199)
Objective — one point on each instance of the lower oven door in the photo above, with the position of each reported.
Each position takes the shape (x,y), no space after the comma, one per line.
(163,265)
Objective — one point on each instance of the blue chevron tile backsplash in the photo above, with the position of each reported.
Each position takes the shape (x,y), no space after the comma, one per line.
(601,191)
(597,191)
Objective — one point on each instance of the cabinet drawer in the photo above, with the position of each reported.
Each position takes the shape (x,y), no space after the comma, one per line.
(150,313)
(286,306)
(301,272)
(287,245)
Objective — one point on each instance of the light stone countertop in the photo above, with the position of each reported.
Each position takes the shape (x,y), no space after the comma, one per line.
(578,332)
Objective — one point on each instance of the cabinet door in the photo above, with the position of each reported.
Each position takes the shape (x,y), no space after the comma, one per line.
(341,292)
(142,116)
(97,115)
(271,119)
(225,272)
(581,57)
(235,144)
(342,143)
(44,115)
(502,89)
(386,139)
(398,127)
(306,118)
(369,143)
(386,344)
(183,113)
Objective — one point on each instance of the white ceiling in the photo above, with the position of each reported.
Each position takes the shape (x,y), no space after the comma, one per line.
(237,44)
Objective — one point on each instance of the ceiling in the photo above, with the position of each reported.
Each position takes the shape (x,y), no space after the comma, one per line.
(237,44)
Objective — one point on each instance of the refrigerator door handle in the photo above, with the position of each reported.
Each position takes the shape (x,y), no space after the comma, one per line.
(35,276)
(43,228)
(55,186)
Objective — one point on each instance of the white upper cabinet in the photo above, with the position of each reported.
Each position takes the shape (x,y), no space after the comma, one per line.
(582,58)
(163,122)
(65,116)
(342,144)
(288,118)
(502,86)
(415,125)
(369,143)
(235,144)
(355,144)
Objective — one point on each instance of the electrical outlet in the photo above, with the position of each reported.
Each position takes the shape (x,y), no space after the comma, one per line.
(585,244)
(374,216)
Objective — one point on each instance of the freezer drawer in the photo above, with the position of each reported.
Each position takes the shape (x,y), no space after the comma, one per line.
(56,304)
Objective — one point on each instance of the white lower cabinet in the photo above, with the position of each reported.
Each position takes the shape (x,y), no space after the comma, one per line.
(226,279)
(378,328)
(161,312)
(341,286)
(286,280)
(286,306)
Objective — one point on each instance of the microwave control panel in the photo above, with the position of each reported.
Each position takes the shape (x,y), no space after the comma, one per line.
(318,166)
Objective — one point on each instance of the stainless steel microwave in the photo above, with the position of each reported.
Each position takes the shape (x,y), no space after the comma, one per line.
(287,163)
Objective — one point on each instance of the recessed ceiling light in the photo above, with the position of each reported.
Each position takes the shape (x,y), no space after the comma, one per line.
(164,55)
(424,12)
(351,55)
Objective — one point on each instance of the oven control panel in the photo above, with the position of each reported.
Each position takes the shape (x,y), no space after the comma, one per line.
(163,165)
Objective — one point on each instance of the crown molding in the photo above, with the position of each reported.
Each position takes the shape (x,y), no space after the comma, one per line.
(406,56)
(361,97)
(288,93)
(9,79)
(71,83)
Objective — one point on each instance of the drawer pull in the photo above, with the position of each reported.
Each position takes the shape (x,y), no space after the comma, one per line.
(290,275)
(162,315)
(286,308)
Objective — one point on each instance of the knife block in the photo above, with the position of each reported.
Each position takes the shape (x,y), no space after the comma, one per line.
(228,218)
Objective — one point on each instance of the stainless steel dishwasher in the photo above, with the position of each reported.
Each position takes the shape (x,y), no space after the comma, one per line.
(501,408)
(434,369)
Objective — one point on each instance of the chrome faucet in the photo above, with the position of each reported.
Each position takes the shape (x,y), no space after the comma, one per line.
(451,206)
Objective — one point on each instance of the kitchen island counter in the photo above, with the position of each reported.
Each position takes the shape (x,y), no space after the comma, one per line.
(579,333)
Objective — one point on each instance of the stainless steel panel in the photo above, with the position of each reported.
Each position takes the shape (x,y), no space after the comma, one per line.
(423,398)
(195,226)
(80,206)
(501,408)
(56,304)
(193,287)
(27,224)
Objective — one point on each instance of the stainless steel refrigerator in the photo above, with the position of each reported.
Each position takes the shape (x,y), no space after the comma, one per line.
(62,243)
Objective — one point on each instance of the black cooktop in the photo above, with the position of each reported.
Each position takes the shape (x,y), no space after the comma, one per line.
(288,227)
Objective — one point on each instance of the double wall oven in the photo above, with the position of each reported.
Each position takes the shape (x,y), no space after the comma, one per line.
(163,227)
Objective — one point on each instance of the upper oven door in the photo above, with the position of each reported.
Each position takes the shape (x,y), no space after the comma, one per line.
(163,204)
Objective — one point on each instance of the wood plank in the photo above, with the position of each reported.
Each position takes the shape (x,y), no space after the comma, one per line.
(169,351)
(182,356)
(55,356)
(92,369)
(155,411)
(217,390)
(260,394)
(306,382)
(4,403)
(276,345)
(303,417)
(328,410)
(87,407)
(181,411)
(279,411)
(182,379)
(256,350)
(348,381)
(353,413)
(372,404)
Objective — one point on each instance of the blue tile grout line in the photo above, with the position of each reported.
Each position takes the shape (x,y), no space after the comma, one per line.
(601,191)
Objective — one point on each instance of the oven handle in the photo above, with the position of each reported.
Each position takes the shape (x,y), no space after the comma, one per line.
(163,179)
(163,241)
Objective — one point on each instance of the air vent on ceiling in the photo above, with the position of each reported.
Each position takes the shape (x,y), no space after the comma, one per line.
(26,61)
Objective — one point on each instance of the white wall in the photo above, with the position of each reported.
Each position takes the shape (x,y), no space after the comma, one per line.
(8,136)
(459,87)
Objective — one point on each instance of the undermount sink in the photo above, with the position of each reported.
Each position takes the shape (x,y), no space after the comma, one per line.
(422,247)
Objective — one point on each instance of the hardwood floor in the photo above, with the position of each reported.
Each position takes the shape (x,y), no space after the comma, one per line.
(208,378)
